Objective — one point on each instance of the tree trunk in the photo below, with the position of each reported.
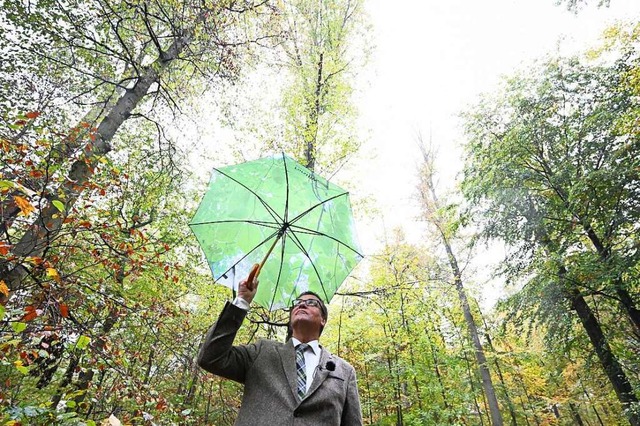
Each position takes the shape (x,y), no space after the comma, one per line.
(624,298)
(311,127)
(610,364)
(481,359)
(575,414)
(369,403)
(591,403)
(393,372)
(525,391)
(608,360)
(407,328)
(473,387)
(512,412)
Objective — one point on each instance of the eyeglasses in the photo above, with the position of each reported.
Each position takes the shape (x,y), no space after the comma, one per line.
(309,302)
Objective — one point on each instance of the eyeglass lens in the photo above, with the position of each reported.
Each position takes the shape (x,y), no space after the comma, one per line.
(308,302)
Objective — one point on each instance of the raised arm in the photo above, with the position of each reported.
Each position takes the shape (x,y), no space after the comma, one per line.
(217,353)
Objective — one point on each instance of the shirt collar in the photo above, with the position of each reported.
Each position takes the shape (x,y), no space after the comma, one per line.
(314,345)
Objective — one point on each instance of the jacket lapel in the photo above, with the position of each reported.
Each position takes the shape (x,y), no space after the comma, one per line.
(321,372)
(288,359)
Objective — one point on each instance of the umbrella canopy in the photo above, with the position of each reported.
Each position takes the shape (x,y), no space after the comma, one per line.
(276,204)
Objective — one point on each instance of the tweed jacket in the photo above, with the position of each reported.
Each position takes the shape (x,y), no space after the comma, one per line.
(267,370)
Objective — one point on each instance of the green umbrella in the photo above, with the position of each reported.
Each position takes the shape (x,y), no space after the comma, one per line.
(278,209)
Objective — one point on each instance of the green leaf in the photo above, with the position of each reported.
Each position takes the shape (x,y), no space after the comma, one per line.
(2,311)
(18,327)
(6,184)
(67,416)
(83,342)
(71,404)
(58,205)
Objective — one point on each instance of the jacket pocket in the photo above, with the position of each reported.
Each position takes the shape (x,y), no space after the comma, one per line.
(331,376)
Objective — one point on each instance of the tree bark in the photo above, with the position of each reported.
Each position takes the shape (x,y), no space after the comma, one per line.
(481,359)
(512,412)
(443,388)
(610,364)
(624,298)
(311,127)
(575,414)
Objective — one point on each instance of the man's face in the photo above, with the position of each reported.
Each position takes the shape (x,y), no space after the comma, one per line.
(302,314)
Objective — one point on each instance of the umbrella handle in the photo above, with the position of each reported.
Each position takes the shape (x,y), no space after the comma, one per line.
(255,271)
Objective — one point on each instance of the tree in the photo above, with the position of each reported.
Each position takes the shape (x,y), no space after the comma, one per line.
(121,52)
(404,332)
(301,101)
(442,217)
(321,57)
(112,258)
(552,169)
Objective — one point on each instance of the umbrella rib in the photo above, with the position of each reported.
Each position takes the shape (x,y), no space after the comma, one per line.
(286,176)
(304,213)
(298,243)
(310,231)
(275,288)
(247,254)
(270,209)
(252,222)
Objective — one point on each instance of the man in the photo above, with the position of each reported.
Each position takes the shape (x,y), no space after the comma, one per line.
(293,383)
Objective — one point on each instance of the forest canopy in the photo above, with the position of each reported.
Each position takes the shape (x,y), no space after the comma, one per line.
(104,293)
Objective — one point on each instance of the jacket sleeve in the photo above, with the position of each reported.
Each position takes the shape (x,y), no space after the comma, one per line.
(217,353)
(352,413)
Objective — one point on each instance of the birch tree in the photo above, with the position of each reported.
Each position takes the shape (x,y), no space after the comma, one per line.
(439,215)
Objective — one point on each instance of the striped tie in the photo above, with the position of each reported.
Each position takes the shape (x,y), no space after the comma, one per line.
(301,369)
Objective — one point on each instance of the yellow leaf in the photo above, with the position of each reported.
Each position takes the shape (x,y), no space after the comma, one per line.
(24,205)
(20,367)
(4,289)
(51,272)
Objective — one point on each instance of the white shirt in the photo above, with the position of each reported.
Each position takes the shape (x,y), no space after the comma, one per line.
(311,355)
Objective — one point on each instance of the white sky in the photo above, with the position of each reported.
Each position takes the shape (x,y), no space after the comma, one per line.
(431,59)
